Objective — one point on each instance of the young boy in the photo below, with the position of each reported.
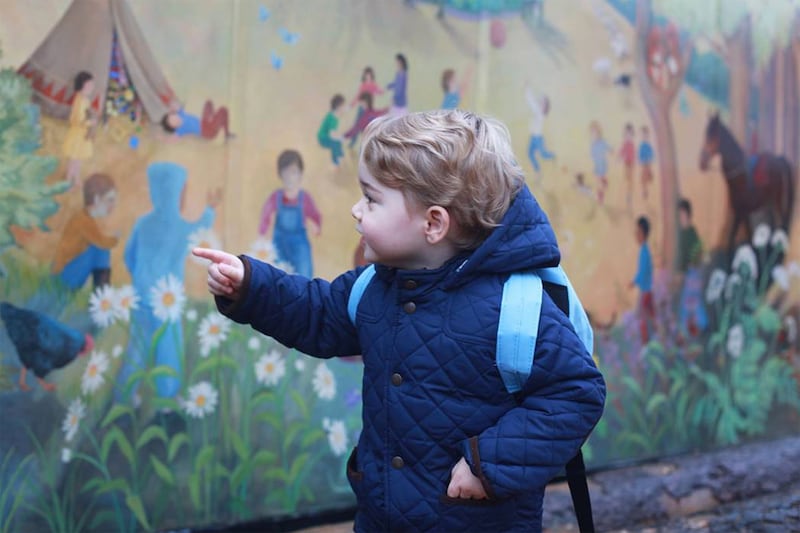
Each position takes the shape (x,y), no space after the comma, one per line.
(291,207)
(644,279)
(83,248)
(327,135)
(446,218)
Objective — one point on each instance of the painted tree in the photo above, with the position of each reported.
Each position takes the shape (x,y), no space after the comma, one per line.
(661,59)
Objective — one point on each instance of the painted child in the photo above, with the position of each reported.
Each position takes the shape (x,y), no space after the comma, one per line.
(692,317)
(446,219)
(646,157)
(370,86)
(367,115)
(398,86)
(157,248)
(627,154)
(328,133)
(78,144)
(453,88)
(180,123)
(291,208)
(644,280)
(540,107)
(84,249)
(599,151)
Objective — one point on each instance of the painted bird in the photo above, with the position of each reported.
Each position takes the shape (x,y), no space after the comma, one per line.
(42,344)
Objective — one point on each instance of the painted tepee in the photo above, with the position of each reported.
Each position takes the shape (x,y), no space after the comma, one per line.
(103,38)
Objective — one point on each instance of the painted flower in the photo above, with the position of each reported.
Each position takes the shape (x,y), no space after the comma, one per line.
(780,240)
(790,326)
(735,341)
(66,455)
(202,400)
(93,375)
(191,315)
(299,364)
(116,351)
(263,250)
(102,306)
(324,383)
(781,276)
(75,413)
(337,436)
(746,258)
(733,283)
(125,300)
(167,299)
(716,284)
(203,238)
(761,236)
(212,332)
(254,343)
(270,368)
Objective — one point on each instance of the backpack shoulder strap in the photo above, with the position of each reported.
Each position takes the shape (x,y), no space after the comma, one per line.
(518,328)
(357,291)
(575,311)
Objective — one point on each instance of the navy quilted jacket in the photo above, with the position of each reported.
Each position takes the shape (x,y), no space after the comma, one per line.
(432,392)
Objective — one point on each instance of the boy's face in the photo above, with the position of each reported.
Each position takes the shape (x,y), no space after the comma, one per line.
(104,204)
(291,176)
(639,235)
(394,232)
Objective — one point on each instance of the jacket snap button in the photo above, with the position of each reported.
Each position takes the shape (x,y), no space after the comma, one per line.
(397,462)
(410,307)
(397,379)
(411,284)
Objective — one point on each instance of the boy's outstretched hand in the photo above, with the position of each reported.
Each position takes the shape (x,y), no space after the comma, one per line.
(464,484)
(225,273)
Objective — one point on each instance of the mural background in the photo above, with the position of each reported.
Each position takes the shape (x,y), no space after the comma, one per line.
(257,430)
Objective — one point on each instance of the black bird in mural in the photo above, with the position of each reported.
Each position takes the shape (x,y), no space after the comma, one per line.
(42,344)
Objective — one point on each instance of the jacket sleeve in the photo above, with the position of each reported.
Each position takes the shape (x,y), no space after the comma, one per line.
(307,314)
(558,407)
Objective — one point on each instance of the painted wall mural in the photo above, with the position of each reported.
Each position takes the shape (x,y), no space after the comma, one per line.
(661,137)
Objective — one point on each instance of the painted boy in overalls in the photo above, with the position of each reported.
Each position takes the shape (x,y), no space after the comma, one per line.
(291,207)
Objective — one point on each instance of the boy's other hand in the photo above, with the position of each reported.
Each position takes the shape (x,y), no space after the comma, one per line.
(463,484)
(225,273)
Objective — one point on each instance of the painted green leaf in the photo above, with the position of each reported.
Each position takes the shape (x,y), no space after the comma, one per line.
(239,446)
(152,432)
(162,471)
(178,440)
(134,503)
(203,458)
(116,411)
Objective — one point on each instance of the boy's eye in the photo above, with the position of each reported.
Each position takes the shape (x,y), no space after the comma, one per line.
(368,198)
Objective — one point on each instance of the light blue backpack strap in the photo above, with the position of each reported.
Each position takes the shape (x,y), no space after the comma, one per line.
(577,314)
(357,291)
(518,328)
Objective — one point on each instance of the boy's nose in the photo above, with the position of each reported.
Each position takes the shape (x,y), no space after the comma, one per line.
(356,210)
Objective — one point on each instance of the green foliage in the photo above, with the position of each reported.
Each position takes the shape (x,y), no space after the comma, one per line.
(26,200)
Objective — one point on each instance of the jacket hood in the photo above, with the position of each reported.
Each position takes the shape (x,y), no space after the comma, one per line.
(166,182)
(524,240)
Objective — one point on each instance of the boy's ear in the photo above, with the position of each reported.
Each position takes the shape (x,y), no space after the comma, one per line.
(437,224)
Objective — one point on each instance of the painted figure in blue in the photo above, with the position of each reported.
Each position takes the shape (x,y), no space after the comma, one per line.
(291,207)
(692,316)
(157,248)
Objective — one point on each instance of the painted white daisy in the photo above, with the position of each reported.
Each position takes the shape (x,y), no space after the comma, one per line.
(254,343)
(299,364)
(745,258)
(191,315)
(125,300)
(102,306)
(781,276)
(263,250)
(716,284)
(93,375)
(761,236)
(337,436)
(733,283)
(324,383)
(116,351)
(780,239)
(203,238)
(735,341)
(270,368)
(212,332)
(790,325)
(167,299)
(75,413)
(66,455)
(202,400)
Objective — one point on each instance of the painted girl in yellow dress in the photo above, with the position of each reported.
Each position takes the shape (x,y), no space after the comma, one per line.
(78,142)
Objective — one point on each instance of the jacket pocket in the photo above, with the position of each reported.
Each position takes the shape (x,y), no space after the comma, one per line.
(463,515)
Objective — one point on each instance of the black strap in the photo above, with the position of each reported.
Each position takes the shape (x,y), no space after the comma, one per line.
(579,490)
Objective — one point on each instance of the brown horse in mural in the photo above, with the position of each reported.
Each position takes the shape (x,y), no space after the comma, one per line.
(754,182)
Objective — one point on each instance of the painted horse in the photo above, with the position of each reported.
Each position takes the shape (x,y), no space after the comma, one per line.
(754,182)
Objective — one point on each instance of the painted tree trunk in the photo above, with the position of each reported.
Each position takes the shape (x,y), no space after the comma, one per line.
(766,108)
(739,63)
